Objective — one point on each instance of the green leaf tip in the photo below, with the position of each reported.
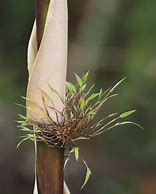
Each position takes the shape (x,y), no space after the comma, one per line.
(75,150)
(79,80)
(127,113)
(23,140)
(76,153)
(85,77)
(117,84)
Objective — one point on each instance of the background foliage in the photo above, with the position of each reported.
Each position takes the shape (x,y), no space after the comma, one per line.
(112,39)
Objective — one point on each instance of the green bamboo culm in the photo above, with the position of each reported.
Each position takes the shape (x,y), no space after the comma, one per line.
(49,160)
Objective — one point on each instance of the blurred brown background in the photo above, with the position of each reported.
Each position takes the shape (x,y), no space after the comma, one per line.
(112,39)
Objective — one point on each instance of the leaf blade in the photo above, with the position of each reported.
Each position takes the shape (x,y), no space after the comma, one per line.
(128,122)
(87,176)
(127,113)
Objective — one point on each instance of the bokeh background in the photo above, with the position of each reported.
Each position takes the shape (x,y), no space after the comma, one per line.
(112,39)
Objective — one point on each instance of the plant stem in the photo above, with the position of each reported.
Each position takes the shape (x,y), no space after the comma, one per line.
(49,169)
(49,161)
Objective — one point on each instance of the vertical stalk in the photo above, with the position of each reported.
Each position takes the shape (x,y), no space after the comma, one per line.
(49,169)
(49,161)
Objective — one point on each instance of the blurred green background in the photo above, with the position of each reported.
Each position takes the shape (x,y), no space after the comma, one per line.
(112,39)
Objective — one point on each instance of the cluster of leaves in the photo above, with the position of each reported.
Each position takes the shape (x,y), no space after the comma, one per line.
(80,108)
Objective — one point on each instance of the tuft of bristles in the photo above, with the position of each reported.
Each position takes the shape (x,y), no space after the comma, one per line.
(80,108)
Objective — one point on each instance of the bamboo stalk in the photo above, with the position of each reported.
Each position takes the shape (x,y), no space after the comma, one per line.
(49,161)
(49,169)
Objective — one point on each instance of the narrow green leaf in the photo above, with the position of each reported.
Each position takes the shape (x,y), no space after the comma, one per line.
(83,87)
(82,103)
(66,162)
(79,80)
(88,174)
(25,139)
(72,151)
(34,103)
(81,138)
(22,123)
(128,122)
(92,97)
(76,152)
(91,112)
(88,92)
(100,92)
(25,119)
(22,116)
(84,78)
(70,87)
(113,88)
(126,114)
(21,105)
(112,115)
(45,117)
(23,128)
